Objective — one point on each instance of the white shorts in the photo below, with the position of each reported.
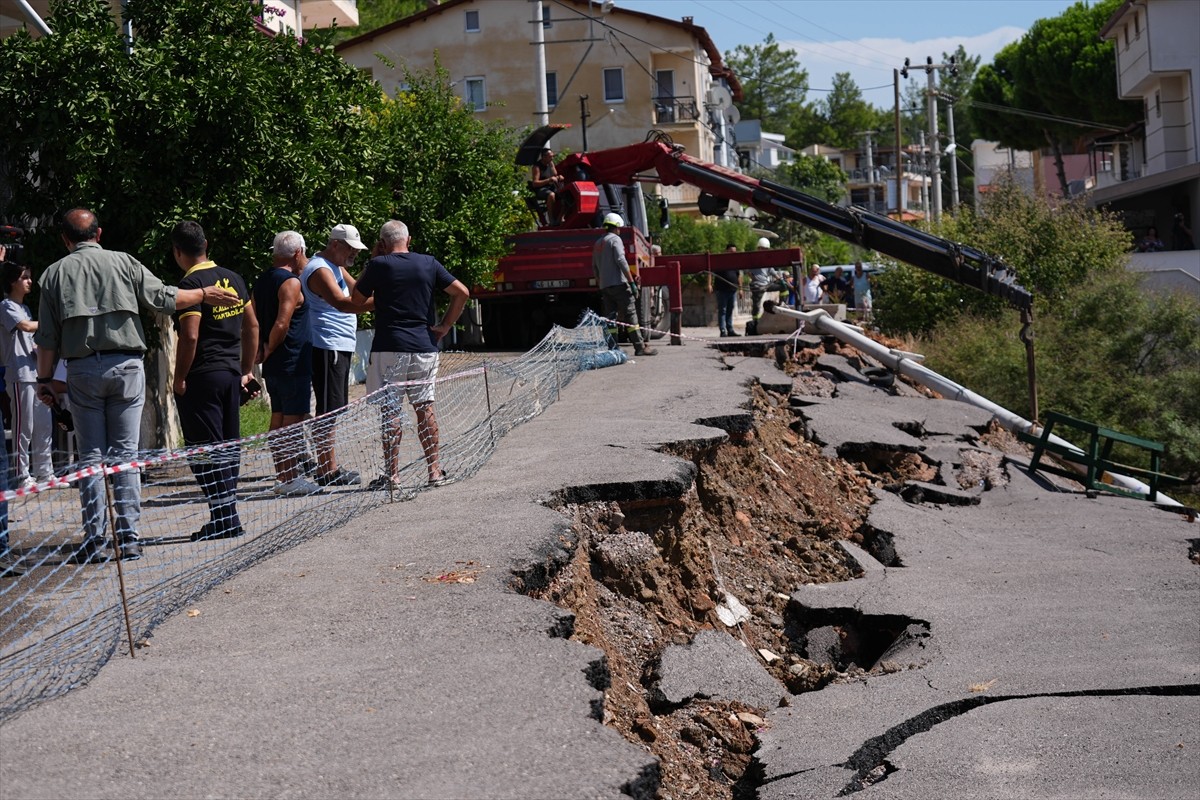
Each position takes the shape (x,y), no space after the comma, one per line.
(413,374)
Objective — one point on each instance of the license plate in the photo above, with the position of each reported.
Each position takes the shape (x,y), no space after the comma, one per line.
(558,284)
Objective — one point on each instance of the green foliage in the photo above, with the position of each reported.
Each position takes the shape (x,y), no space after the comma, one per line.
(1050,250)
(688,235)
(255,417)
(773,83)
(374,14)
(1112,354)
(847,115)
(250,134)
(1107,350)
(455,182)
(814,175)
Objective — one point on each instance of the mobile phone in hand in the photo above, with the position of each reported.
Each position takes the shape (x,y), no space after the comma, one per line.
(62,418)
(249,390)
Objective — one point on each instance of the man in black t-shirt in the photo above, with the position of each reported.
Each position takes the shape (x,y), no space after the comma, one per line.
(213,360)
(405,348)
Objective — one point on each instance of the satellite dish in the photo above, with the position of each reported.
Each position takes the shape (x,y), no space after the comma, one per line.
(733,115)
(719,96)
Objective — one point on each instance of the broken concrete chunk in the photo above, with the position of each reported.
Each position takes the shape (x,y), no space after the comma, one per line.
(767,655)
(714,665)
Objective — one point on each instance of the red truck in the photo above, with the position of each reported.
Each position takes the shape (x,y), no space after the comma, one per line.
(547,279)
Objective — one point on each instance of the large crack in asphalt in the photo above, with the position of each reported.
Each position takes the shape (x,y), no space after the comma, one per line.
(870,760)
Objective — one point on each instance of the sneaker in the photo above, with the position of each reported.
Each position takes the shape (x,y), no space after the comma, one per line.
(27,484)
(296,487)
(645,351)
(340,477)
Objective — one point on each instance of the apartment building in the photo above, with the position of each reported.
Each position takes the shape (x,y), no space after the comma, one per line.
(1151,172)
(611,73)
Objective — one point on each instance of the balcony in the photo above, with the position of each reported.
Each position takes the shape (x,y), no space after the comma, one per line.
(672,110)
(324,13)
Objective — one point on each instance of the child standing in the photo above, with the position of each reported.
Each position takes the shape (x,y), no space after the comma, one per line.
(31,422)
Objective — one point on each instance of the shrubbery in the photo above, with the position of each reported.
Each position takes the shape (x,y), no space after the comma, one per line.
(1107,350)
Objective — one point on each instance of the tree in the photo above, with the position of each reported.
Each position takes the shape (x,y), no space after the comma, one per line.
(1061,71)
(209,119)
(1108,351)
(823,179)
(374,14)
(773,83)
(847,115)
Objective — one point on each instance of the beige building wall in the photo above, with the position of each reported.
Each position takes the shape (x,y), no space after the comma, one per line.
(499,58)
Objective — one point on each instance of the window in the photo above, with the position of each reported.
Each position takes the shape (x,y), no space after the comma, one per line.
(546,23)
(551,89)
(1125,30)
(614,85)
(1137,25)
(1157,105)
(474,94)
(472,22)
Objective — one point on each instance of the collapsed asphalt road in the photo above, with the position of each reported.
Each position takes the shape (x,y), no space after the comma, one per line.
(1040,643)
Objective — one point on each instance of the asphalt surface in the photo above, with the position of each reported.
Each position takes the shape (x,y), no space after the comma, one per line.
(1058,652)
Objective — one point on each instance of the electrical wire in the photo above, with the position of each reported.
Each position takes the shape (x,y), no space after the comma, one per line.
(676,54)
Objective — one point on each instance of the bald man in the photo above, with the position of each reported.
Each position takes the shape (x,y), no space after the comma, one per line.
(91,302)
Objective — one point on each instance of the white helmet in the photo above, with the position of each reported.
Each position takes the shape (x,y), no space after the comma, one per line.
(614,219)
(764,244)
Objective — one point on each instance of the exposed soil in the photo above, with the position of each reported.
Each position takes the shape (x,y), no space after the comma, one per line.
(763,517)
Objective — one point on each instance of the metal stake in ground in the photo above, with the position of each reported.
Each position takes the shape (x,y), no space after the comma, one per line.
(116,545)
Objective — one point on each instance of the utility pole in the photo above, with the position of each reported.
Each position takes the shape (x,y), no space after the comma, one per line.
(931,100)
(870,166)
(540,114)
(899,154)
(934,139)
(953,148)
(924,183)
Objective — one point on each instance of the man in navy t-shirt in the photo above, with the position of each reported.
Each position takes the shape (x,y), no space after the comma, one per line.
(407,333)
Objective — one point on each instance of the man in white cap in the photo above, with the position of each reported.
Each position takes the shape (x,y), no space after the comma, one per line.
(616,282)
(327,286)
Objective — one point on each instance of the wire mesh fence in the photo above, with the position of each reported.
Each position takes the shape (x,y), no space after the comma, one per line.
(207,513)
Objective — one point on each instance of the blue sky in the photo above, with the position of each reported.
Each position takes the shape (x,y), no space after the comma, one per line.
(867,38)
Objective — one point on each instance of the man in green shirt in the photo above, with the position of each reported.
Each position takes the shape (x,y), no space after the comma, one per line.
(90,315)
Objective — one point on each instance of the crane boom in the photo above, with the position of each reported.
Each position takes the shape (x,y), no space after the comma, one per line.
(957,262)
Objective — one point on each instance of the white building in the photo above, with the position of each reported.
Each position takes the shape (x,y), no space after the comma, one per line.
(758,149)
(1151,172)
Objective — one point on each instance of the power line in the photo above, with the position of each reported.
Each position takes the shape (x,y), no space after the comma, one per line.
(1021,112)
(663,49)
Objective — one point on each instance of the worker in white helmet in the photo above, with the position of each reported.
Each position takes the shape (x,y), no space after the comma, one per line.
(616,282)
(760,279)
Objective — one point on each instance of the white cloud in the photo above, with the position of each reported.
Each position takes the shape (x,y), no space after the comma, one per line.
(870,61)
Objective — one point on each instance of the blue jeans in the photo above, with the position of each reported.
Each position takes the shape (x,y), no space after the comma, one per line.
(107,393)
(725,303)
